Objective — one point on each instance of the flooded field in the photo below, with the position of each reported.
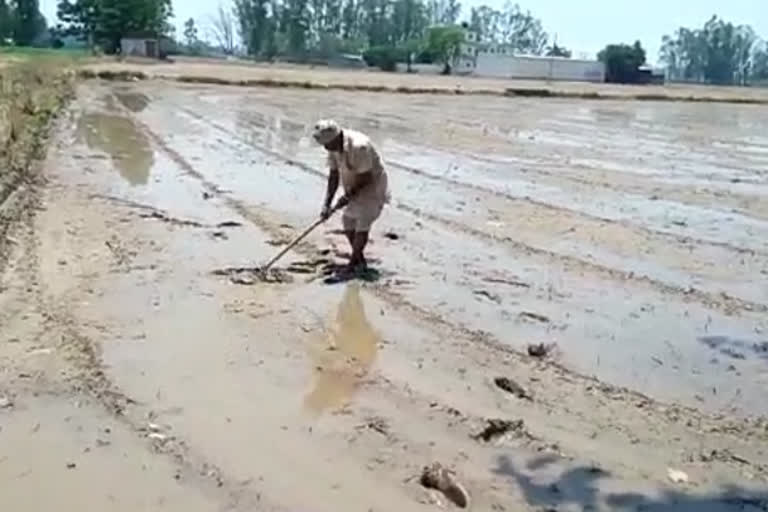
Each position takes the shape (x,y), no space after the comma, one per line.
(631,237)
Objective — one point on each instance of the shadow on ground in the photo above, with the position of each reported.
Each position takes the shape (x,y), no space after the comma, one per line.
(588,488)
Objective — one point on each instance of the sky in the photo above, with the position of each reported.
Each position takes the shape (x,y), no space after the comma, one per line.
(584,26)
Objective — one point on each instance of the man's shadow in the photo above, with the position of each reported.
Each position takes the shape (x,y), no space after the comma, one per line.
(336,273)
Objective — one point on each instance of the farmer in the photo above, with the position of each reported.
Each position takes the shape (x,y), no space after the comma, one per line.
(353,158)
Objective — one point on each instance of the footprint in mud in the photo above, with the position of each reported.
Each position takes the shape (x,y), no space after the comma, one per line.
(444,480)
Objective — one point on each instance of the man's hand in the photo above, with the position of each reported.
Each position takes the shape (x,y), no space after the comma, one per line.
(325,212)
(341,203)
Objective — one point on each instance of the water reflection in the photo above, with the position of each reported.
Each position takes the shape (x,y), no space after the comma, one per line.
(343,356)
(121,139)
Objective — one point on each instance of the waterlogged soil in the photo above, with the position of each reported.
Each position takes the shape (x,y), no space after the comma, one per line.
(629,239)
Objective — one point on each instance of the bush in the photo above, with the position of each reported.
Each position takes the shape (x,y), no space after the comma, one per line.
(384,57)
(622,62)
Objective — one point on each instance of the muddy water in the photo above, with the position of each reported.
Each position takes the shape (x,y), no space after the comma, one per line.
(119,137)
(343,357)
(495,201)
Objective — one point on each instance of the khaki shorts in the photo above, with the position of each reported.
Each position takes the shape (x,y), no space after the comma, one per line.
(361,218)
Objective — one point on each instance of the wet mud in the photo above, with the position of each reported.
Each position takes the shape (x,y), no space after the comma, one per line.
(516,215)
(561,319)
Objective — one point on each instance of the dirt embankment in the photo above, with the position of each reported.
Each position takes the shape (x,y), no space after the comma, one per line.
(278,75)
(30,96)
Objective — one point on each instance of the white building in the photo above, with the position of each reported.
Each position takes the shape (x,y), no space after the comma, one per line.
(497,60)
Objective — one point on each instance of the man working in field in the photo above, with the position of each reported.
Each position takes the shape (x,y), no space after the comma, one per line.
(353,158)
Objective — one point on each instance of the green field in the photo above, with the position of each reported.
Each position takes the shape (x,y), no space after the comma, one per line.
(19,54)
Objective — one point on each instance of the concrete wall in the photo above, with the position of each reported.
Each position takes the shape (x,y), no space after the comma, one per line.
(422,69)
(130,47)
(541,68)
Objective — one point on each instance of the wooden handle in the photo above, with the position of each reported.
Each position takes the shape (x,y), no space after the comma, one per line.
(298,239)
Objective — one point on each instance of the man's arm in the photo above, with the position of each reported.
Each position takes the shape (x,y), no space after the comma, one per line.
(330,191)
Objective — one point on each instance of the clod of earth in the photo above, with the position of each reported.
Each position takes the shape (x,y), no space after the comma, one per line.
(229,224)
(5,402)
(251,275)
(534,316)
(496,427)
(488,295)
(439,478)
(510,386)
(377,424)
(539,349)
(511,282)
(392,236)
(308,266)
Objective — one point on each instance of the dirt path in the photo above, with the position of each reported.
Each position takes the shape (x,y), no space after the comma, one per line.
(134,376)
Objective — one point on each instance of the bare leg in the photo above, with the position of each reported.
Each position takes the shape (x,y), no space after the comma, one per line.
(359,241)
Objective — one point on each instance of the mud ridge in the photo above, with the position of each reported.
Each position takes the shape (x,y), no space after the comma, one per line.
(576,213)
(668,194)
(682,239)
(724,302)
(527,92)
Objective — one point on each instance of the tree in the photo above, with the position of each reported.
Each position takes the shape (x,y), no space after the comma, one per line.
(6,22)
(190,32)
(350,20)
(511,26)
(296,16)
(223,29)
(255,24)
(718,53)
(105,22)
(760,62)
(558,51)
(451,12)
(27,22)
(444,44)
(622,62)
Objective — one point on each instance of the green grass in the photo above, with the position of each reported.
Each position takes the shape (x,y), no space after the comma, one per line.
(17,54)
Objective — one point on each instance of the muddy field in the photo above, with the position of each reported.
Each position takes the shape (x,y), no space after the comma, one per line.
(139,371)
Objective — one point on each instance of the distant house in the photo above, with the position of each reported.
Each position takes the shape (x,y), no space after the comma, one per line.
(144,45)
(484,58)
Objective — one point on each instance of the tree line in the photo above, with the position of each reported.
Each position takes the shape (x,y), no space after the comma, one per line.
(21,22)
(386,31)
(718,53)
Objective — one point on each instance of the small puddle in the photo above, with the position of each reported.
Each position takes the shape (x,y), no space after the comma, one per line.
(342,356)
(133,101)
(119,137)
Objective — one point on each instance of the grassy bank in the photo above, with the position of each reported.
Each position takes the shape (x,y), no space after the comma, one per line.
(31,94)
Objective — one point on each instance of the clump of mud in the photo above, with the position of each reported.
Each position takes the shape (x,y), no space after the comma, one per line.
(439,478)
(495,428)
(512,387)
(249,276)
